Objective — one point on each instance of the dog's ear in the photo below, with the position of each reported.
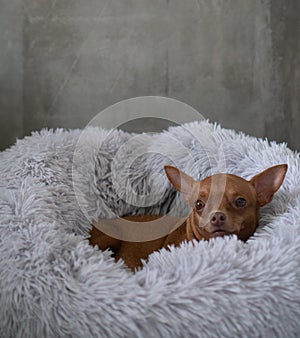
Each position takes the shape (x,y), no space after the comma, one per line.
(268,182)
(182,182)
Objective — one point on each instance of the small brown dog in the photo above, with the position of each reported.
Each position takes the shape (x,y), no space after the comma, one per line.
(222,204)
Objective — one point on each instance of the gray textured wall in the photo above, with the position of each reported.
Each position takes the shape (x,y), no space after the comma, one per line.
(235,61)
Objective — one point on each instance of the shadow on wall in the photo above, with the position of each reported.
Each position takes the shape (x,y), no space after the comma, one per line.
(236,62)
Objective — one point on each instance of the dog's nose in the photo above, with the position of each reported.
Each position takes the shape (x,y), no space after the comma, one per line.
(218,218)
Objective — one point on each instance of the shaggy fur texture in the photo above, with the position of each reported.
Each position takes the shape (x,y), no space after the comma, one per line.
(53,284)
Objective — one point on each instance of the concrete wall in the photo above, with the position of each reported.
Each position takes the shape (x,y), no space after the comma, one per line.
(11,72)
(235,61)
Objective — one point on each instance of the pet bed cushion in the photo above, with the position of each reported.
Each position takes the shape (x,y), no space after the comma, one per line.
(54,284)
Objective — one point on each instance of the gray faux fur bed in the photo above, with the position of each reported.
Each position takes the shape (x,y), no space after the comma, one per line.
(53,284)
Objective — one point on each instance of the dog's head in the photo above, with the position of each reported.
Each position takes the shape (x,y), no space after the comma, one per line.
(225,204)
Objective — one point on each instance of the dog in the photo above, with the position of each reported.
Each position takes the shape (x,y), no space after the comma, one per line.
(221,205)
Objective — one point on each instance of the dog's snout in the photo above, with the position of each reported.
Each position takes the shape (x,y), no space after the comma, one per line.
(218,218)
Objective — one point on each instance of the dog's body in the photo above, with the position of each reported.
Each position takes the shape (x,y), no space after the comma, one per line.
(221,204)
(133,252)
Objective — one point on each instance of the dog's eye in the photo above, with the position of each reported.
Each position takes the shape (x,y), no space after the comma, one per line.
(199,204)
(240,202)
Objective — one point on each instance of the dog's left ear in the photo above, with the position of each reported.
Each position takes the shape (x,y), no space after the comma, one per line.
(268,182)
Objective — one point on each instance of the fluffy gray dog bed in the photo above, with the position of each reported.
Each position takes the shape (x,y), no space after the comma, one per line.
(54,284)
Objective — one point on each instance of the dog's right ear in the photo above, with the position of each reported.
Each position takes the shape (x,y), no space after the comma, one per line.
(182,183)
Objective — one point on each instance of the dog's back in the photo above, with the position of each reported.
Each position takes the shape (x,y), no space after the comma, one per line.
(133,252)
